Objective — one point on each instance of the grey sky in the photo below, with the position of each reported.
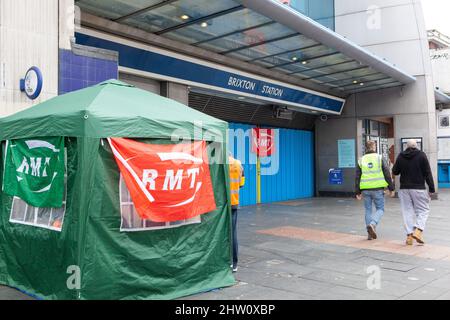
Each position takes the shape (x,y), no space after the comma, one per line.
(437,15)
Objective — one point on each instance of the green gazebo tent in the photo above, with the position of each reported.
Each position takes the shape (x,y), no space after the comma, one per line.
(163,263)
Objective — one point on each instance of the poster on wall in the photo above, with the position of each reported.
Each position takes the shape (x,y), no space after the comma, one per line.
(263,142)
(335,177)
(418,140)
(444,122)
(347,153)
(444,148)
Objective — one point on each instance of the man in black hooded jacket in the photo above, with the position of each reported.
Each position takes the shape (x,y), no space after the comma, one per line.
(414,169)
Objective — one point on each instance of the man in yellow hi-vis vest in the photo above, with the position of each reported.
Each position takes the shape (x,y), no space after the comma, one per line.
(237,181)
(372,177)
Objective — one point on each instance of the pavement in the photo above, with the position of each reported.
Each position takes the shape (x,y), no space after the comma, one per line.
(317,249)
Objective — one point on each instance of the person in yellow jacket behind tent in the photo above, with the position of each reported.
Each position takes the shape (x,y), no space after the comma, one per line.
(372,177)
(237,181)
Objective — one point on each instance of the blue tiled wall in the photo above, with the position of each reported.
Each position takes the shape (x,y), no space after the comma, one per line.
(77,72)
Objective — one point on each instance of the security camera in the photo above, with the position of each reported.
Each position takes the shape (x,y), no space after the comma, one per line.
(324,117)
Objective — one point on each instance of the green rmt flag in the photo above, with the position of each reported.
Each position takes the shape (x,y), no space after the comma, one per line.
(34,171)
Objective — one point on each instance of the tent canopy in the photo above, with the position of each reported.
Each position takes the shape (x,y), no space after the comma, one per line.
(102,111)
(162,263)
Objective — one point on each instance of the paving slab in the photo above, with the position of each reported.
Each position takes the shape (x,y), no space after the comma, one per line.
(320,251)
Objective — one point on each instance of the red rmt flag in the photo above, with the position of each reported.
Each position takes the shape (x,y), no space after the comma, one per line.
(263,142)
(166,182)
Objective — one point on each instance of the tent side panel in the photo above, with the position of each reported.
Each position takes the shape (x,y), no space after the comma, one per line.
(37,260)
(155,264)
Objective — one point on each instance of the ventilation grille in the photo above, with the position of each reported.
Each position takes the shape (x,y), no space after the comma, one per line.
(244,112)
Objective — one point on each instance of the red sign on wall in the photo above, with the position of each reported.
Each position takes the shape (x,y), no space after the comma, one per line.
(166,182)
(263,142)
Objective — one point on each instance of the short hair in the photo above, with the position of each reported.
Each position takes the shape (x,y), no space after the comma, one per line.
(412,143)
(371,146)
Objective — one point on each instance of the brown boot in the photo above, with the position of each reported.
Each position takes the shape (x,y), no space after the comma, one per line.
(418,235)
(371,230)
(409,240)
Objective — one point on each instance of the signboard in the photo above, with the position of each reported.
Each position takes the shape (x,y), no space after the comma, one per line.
(405,143)
(32,83)
(444,148)
(167,183)
(347,153)
(198,73)
(335,177)
(444,122)
(263,142)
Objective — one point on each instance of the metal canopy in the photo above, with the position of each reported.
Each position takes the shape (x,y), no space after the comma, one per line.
(441,97)
(250,30)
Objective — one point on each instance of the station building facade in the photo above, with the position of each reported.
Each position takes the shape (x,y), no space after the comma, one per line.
(440,60)
(327,75)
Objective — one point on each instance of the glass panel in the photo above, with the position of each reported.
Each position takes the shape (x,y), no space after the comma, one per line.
(378,87)
(374,128)
(126,212)
(365,79)
(114,9)
(381,81)
(345,75)
(300,5)
(177,223)
(232,22)
(178,13)
(306,49)
(43,216)
(18,209)
(302,55)
(125,196)
(316,63)
(320,10)
(152,224)
(248,38)
(331,70)
(29,214)
(57,217)
(136,221)
(384,130)
(273,48)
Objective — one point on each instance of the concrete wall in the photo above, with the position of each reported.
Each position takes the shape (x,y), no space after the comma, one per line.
(327,135)
(440,61)
(25,42)
(394,30)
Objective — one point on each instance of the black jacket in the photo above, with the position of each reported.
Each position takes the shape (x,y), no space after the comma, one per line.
(414,169)
(386,173)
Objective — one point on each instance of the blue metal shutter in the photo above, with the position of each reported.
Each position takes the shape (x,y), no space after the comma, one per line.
(295,176)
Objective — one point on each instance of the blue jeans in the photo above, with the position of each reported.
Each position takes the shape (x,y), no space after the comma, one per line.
(373,197)
(235,240)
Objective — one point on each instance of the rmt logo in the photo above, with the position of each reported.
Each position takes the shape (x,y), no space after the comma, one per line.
(170,179)
(166,182)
